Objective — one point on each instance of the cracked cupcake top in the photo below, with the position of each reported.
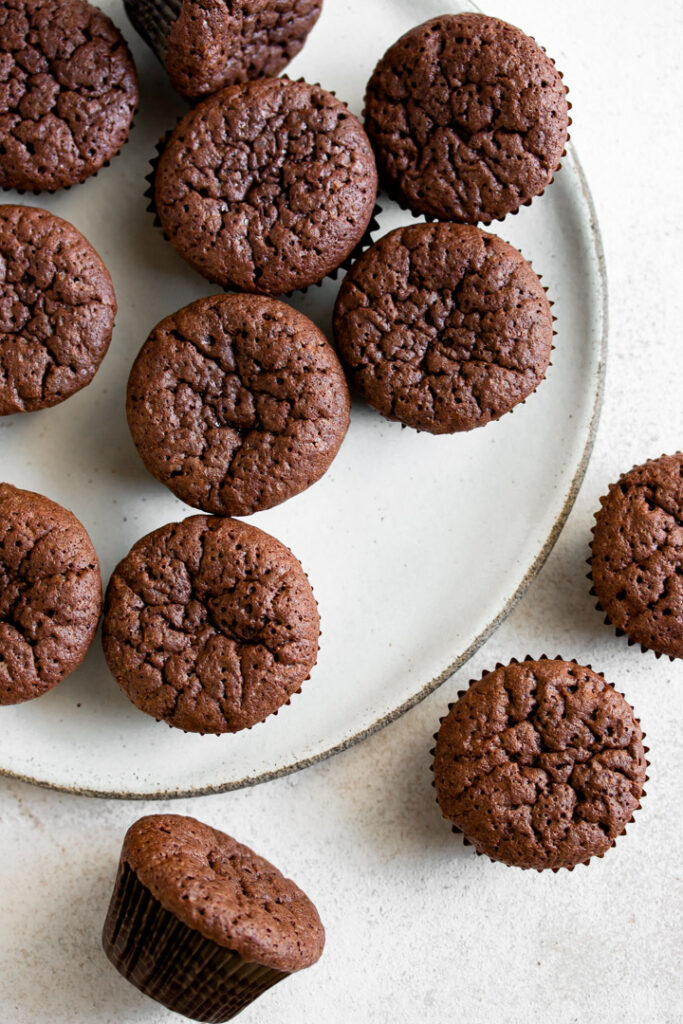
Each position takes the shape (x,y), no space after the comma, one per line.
(468,118)
(50,594)
(637,554)
(68,92)
(225,891)
(266,187)
(540,764)
(444,327)
(57,309)
(208,44)
(210,624)
(236,403)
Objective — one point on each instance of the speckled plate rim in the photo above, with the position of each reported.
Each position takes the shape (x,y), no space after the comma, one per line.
(483,636)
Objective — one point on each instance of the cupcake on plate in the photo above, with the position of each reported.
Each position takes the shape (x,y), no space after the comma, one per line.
(69,93)
(208,44)
(51,594)
(266,187)
(443,327)
(210,625)
(57,309)
(540,764)
(201,923)
(468,117)
(236,403)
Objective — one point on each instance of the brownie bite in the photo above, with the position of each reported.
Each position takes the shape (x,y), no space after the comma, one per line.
(443,327)
(468,118)
(208,44)
(266,187)
(236,403)
(201,923)
(637,555)
(540,764)
(210,624)
(68,93)
(51,594)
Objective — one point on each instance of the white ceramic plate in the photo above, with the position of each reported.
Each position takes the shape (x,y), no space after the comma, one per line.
(417,546)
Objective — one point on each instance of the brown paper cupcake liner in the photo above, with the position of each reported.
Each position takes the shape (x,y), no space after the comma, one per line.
(618,631)
(174,964)
(152,20)
(461,693)
(385,187)
(365,242)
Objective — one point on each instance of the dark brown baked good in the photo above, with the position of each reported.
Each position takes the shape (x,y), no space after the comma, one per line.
(444,327)
(210,624)
(50,594)
(208,44)
(266,187)
(68,92)
(637,555)
(236,403)
(57,309)
(228,921)
(540,764)
(468,118)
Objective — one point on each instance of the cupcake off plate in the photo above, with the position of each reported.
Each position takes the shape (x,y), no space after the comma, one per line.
(417,546)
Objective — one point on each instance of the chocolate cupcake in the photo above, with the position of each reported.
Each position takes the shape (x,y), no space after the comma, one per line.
(236,403)
(208,44)
(443,327)
(540,764)
(266,187)
(57,309)
(210,624)
(51,594)
(201,923)
(637,555)
(68,94)
(468,118)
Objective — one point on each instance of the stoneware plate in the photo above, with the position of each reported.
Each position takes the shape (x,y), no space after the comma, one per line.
(417,546)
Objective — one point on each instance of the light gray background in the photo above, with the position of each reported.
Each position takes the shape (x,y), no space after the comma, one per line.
(418,927)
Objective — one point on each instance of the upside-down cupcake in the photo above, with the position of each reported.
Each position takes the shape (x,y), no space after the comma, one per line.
(540,764)
(208,44)
(201,923)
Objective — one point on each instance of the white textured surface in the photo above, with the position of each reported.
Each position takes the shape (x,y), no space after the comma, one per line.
(418,927)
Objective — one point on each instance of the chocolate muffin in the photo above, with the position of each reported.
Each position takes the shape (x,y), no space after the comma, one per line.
(236,403)
(68,92)
(267,186)
(57,309)
(468,118)
(50,597)
(201,923)
(637,555)
(443,327)
(210,624)
(540,764)
(208,44)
